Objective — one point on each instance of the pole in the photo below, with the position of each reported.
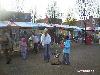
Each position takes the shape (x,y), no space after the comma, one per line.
(34,18)
(84,14)
(85,31)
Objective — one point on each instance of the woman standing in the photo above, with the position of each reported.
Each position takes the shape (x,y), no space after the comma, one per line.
(23,47)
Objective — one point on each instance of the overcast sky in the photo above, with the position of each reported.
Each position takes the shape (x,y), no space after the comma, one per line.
(39,5)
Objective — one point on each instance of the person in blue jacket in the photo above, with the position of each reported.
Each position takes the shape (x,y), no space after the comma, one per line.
(66,50)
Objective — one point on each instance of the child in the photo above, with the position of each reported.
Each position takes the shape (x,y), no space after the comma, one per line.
(23,47)
(66,51)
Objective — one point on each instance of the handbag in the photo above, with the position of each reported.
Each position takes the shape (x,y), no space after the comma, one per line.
(61,45)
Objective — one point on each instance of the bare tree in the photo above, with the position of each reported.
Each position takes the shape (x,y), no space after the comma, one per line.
(53,12)
(19,5)
(87,8)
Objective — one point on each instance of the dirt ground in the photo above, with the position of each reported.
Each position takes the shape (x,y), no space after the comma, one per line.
(83,58)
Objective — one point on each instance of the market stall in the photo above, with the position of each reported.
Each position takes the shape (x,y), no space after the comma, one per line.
(26,28)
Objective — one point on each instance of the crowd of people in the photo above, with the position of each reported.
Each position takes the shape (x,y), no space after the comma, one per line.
(38,41)
(44,39)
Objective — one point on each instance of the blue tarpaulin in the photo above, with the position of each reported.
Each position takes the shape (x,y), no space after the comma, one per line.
(26,24)
(23,24)
(3,24)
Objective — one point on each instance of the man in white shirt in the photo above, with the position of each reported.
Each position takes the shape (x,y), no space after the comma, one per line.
(46,40)
(35,39)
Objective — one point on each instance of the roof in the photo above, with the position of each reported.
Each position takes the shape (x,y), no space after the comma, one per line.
(24,24)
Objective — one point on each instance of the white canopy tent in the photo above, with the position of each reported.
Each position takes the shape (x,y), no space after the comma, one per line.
(97,28)
(88,28)
(45,25)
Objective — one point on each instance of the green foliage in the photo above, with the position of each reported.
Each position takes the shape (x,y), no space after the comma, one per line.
(55,46)
(70,21)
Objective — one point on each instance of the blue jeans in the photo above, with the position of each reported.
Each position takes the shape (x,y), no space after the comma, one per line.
(23,52)
(66,58)
(47,52)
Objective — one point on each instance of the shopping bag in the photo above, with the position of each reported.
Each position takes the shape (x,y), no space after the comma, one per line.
(61,45)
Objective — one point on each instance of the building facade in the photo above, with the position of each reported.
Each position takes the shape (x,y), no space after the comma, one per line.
(15,16)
